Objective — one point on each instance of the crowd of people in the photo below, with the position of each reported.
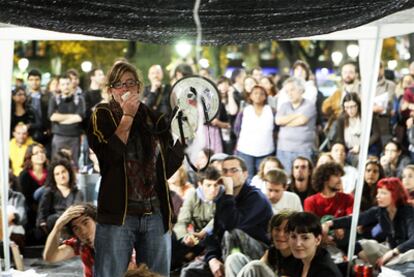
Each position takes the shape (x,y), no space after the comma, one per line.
(275,199)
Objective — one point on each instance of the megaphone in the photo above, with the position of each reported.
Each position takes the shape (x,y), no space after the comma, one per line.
(194,99)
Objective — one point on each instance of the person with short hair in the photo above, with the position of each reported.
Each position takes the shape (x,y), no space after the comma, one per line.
(39,101)
(18,146)
(297,116)
(305,237)
(157,94)
(301,178)
(276,184)
(196,217)
(66,112)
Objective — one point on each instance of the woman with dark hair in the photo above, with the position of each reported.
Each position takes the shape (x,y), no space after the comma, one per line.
(393,160)
(276,261)
(373,173)
(254,126)
(271,90)
(32,178)
(21,111)
(407,179)
(60,193)
(395,217)
(349,129)
(305,236)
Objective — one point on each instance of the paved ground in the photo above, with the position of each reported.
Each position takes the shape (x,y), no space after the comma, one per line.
(70,268)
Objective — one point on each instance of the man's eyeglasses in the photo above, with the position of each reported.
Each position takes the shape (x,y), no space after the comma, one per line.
(230,170)
(127,84)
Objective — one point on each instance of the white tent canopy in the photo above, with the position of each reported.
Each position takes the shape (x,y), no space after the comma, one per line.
(369,37)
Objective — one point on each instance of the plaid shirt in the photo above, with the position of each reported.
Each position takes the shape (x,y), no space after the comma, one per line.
(87,255)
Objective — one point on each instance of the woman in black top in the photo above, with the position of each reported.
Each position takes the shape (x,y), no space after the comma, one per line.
(60,193)
(305,236)
(21,111)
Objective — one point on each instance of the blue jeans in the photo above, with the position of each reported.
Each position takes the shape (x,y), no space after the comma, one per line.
(114,244)
(252,162)
(287,158)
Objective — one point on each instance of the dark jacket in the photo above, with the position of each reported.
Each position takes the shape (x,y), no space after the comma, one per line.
(249,211)
(110,150)
(321,265)
(399,232)
(54,204)
(158,101)
(375,136)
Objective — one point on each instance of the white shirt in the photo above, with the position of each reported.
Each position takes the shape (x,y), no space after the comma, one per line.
(349,179)
(289,201)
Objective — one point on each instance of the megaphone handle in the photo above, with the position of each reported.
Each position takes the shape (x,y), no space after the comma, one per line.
(180,127)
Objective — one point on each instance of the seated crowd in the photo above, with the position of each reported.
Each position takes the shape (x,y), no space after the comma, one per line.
(273,201)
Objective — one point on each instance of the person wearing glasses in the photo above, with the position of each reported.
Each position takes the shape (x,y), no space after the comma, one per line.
(349,129)
(240,221)
(136,155)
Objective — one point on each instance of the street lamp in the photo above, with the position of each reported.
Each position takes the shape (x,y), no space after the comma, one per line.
(352,50)
(86,66)
(23,64)
(336,57)
(183,48)
(392,64)
(204,63)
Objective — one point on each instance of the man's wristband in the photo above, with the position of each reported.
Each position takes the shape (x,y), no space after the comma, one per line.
(128,114)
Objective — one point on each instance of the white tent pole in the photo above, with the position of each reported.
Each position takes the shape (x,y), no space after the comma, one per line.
(6,68)
(370,53)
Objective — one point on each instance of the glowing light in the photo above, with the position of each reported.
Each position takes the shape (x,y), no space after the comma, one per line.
(86,66)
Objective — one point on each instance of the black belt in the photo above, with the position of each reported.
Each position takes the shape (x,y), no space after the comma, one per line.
(143,208)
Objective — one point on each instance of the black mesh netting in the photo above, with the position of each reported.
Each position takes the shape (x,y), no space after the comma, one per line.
(223,21)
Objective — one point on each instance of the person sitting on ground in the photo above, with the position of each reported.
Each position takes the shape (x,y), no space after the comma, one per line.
(276,184)
(408,180)
(60,193)
(393,160)
(373,173)
(395,217)
(329,200)
(178,183)
(80,222)
(240,220)
(265,166)
(301,178)
(277,260)
(16,212)
(195,219)
(32,179)
(324,158)
(305,236)
(349,179)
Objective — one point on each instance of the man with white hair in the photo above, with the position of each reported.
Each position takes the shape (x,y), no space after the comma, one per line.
(157,95)
(297,119)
